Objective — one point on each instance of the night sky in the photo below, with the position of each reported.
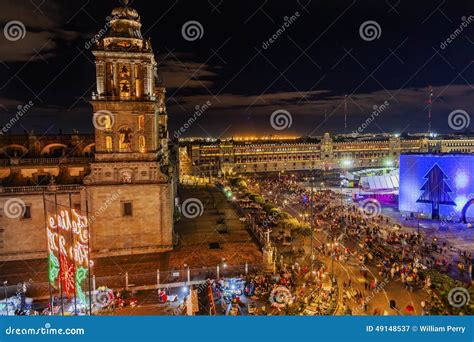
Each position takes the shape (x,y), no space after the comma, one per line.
(307,70)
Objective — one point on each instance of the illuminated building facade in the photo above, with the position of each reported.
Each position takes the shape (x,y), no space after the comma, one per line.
(232,156)
(120,178)
(437,186)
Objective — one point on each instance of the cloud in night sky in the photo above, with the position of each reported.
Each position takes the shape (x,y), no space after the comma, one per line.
(43,30)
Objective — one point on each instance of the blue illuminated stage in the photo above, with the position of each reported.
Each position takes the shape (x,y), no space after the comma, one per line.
(437,185)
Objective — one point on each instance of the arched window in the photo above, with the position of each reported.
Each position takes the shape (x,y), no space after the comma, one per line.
(107,122)
(108,143)
(141,144)
(141,122)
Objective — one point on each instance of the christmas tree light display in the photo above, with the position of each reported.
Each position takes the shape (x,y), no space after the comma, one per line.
(437,186)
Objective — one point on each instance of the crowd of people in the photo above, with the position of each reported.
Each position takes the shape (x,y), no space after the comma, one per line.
(292,289)
(353,233)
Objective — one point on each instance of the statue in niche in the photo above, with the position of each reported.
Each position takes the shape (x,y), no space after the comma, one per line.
(126,177)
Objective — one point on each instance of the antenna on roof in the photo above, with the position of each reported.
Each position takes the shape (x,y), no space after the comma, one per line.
(430,103)
(345,114)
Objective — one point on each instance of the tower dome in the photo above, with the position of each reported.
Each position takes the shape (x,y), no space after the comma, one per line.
(125,22)
(124,31)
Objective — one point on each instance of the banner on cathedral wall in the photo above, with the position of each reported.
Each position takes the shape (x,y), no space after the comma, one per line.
(68,249)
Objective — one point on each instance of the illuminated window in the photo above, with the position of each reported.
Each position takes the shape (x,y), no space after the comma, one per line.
(141,122)
(107,122)
(141,143)
(138,83)
(108,143)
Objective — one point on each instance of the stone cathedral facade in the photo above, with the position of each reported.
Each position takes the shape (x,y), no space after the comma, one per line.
(124,178)
(131,137)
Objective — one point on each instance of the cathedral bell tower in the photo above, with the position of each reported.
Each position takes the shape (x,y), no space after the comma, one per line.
(131,142)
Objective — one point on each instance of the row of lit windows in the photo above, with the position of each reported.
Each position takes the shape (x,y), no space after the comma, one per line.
(303,165)
(301,157)
(467,144)
(281,149)
(461,150)
(125,144)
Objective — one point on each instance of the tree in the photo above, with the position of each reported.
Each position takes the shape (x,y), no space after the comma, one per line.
(435,190)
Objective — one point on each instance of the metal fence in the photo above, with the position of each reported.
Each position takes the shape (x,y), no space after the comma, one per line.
(138,281)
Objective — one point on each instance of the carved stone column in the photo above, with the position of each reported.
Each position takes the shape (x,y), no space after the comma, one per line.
(133,89)
(150,79)
(115,88)
(145,75)
(100,70)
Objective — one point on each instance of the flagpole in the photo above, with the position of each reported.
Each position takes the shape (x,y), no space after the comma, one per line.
(59,239)
(88,251)
(73,256)
(51,302)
